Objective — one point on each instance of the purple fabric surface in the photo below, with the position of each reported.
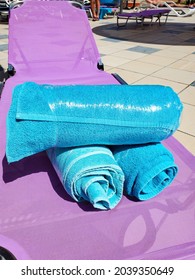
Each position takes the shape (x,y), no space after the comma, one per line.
(38,219)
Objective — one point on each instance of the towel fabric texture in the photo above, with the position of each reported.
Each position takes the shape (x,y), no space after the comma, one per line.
(89,173)
(148,169)
(46,116)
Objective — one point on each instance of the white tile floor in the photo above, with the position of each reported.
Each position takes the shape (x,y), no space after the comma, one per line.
(150,55)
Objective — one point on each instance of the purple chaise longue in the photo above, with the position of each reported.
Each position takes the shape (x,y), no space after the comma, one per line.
(51,42)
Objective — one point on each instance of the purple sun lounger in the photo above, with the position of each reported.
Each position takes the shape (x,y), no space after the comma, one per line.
(140,16)
(51,42)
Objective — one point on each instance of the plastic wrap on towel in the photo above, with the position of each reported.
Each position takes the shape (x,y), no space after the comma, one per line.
(148,169)
(46,116)
(89,173)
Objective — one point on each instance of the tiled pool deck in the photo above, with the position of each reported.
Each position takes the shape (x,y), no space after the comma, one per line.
(150,55)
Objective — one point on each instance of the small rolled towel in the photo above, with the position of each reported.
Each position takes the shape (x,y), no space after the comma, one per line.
(148,169)
(89,173)
(46,116)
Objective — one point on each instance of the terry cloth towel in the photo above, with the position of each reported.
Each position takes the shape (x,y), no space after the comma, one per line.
(89,173)
(46,116)
(148,169)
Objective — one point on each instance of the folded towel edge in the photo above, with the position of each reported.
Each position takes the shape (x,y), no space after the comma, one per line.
(125,123)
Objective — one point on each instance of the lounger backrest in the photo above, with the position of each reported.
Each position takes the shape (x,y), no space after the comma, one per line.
(50,37)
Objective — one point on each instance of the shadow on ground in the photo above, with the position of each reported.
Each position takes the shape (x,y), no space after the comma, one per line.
(169,34)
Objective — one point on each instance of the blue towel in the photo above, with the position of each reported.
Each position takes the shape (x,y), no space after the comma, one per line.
(89,173)
(148,169)
(110,3)
(46,116)
(104,11)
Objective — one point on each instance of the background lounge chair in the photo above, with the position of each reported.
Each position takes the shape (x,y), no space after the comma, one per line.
(176,10)
(141,15)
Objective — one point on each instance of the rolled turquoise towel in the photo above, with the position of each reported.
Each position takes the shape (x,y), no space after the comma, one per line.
(46,116)
(148,169)
(90,174)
